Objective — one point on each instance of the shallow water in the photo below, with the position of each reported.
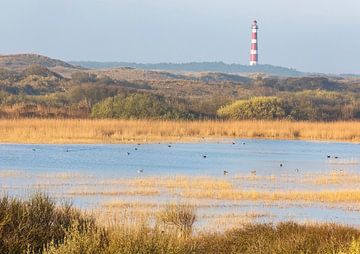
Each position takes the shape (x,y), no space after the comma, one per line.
(265,156)
(187,159)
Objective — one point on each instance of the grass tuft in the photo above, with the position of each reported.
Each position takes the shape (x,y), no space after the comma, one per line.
(181,217)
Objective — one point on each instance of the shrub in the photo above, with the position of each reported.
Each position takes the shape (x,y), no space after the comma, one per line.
(181,217)
(306,105)
(255,108)
(87,241)
(138,106)
(32,224)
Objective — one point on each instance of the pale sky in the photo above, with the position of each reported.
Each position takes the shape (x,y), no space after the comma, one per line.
(309,35)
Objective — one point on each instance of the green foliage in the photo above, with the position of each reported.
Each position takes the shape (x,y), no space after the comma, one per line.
(255,108)
(300,84)
(138,106)
(322,105)
(90,93)
(29,225)
(38,91)
(207,108)
(307,105)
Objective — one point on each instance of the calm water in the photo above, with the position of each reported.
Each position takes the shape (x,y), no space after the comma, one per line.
(264,156)
(180,159)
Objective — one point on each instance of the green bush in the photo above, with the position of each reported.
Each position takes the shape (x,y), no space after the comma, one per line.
(139,106)
(255,108)
(307,105)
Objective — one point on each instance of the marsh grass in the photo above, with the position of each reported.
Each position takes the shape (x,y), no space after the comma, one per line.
(181,182)
(179,216)
(13,174)
(130,131)
(38,225)
(109,192)
(326,196)
(330,187)
(28,225)
(335,177)
(251,239)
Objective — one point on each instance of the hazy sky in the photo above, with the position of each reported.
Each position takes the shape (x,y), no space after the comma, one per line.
(310,35)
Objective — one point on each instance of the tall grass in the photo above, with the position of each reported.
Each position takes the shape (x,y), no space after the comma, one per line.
(37,225)
(181,217)
(123,131)
(28,225)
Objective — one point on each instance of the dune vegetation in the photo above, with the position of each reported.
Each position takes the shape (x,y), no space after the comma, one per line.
(38,225)
(35,86)
(131,131)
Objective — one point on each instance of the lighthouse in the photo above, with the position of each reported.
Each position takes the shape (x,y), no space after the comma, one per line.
(254,54)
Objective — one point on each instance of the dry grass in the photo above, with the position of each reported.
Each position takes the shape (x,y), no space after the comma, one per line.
(180,217)
(127,131)
(338,196)
(13,173)
(38,225)
(333,178)
(131,192)
(330,187)
(63,176)
(181,182)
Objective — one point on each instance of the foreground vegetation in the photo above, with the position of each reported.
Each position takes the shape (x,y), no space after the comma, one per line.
(130,131)
(37,225)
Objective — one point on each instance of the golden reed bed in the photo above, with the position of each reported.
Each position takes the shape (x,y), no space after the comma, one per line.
(129,131)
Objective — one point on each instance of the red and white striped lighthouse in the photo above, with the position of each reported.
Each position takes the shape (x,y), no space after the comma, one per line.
(254,54)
